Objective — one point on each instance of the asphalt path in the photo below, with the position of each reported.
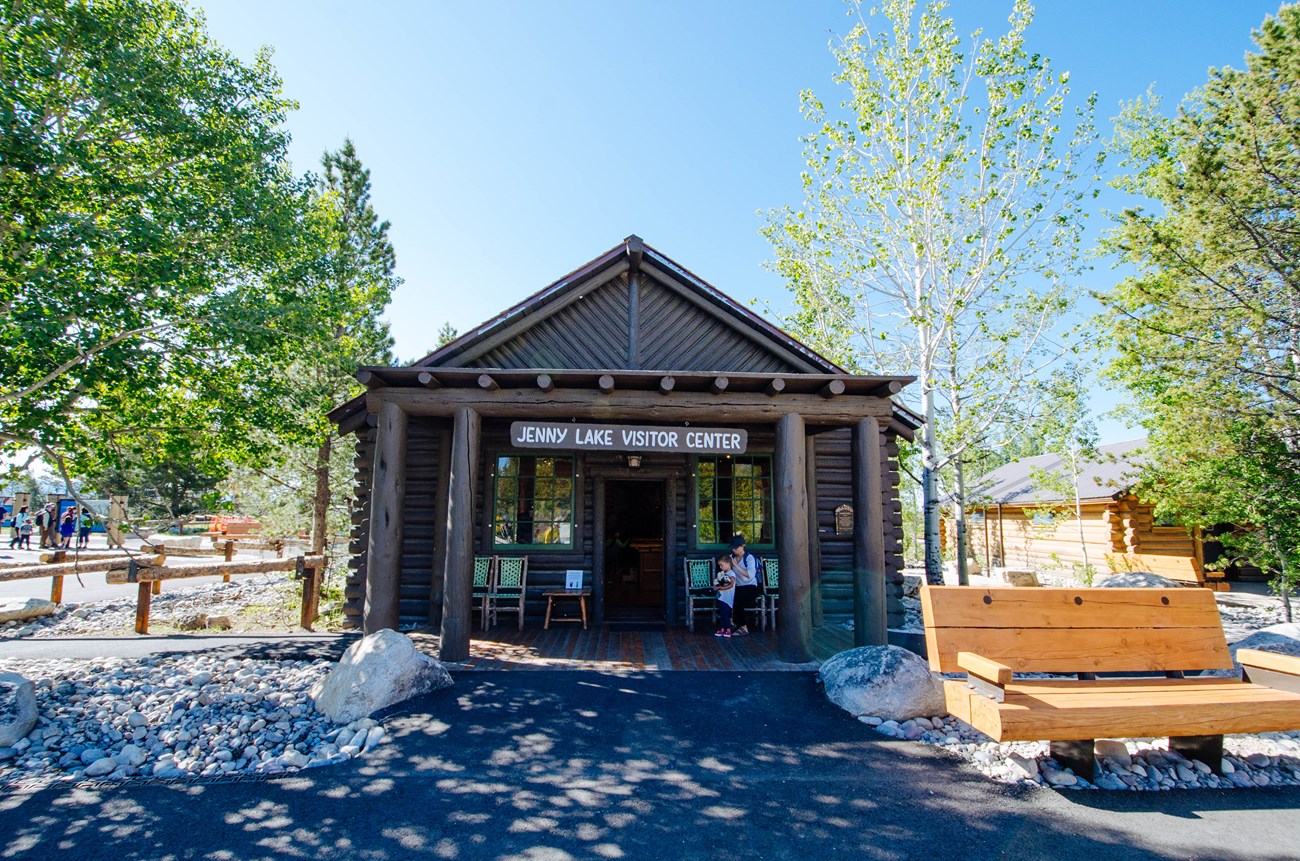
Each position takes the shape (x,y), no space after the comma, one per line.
(547,766)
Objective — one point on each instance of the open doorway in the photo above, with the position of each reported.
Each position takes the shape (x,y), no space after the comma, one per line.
(634,550)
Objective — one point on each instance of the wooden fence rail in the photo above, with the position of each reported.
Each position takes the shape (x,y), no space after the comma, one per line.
(57,572)
(310,570)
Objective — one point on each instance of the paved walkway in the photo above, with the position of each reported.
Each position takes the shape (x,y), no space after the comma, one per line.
(580,765)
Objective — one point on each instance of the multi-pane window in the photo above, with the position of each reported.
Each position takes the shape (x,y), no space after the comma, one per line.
(532,501)
(733,495)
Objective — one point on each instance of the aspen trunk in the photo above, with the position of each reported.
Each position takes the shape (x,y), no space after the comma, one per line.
(320,501)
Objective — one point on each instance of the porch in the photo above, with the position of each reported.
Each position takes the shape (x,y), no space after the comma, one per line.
(609,649)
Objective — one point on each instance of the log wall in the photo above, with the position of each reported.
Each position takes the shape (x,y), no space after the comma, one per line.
(547,569)
(1120,526)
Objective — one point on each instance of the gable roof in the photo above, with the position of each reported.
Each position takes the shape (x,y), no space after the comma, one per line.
(1113,475)
(631,308)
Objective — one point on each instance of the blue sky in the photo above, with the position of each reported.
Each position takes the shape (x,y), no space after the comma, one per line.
(510,142)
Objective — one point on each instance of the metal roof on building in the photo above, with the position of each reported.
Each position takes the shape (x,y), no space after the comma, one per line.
(1112,474)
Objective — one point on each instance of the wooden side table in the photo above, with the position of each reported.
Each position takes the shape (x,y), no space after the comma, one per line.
(580,595)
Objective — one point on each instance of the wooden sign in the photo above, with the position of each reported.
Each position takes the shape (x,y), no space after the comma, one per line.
(638,438)
(844,519)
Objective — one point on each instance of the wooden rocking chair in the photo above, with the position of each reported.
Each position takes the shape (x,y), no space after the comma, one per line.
(508,588)
(484,572)
(771,592)
(700,597)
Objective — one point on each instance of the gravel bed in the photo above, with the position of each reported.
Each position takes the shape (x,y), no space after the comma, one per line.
(177,717)
(175,605)
(1268,759)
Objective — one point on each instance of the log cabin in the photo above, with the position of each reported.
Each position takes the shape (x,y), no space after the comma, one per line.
(620,420)
(1013,526)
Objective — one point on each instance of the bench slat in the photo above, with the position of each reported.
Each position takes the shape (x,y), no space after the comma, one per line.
(964,607)
(1075,650)
(1023,717)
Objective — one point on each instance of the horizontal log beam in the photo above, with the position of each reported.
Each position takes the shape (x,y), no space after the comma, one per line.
(180,572)
(429,381)
(606,384)
(775,387)
(644,406)
(667,384)
(33,572)
(545,382)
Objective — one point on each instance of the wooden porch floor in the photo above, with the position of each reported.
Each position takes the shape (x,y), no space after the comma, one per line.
(607,649)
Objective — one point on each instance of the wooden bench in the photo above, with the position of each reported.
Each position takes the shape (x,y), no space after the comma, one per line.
(1184,569)
(992,634)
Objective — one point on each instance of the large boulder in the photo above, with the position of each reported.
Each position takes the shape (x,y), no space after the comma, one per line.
(19,609)
(883,681)
(17,708)
(378,671)
(1139,580)
(1283,639)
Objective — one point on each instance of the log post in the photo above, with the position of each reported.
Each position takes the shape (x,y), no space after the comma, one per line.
(143,596)
(440,528)
(157,587)
(598,560)
(384,554)
(230,555)
(458,574)
(870,622)
(814,534)
(116,516)
(56,589)
(795,628)
(307,614)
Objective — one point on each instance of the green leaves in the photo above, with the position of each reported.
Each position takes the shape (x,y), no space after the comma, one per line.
(1208,329)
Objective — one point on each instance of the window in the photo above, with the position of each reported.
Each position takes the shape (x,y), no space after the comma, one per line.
(532,502)
(733,494)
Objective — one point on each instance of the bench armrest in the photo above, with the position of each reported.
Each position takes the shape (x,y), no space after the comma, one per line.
(985,675)
(1270,669)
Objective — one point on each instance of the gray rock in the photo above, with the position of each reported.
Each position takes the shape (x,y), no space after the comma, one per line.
(1258,760)
(131,755)
(18,609)
(101,767)
(1110,749)
(1059,778)
(1185,774)
(1139,580)
(294,759)
(882,680)
(192,621)
(378,671)
(136,719)
(1023,766)
(18,711)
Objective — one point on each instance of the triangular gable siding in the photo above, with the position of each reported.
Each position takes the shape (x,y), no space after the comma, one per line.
(674,334)
(591,332)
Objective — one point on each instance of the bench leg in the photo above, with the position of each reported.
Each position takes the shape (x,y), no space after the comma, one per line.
(1076,756)
(1207,748)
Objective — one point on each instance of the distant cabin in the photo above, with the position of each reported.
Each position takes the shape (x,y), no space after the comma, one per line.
(616,423)
(1011,525)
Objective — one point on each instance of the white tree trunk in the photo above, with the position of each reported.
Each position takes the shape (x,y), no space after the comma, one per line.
(930,486)
(959,516)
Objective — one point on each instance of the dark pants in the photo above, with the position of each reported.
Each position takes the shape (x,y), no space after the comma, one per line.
(745,598)
(724,615)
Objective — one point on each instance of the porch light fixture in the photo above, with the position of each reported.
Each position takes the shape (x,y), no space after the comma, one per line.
(634,461)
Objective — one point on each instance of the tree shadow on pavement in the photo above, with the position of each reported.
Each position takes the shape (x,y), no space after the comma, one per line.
(584,765)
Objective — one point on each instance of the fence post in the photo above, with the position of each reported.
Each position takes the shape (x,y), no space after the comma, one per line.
(308,577)
(56,589)
(143,596)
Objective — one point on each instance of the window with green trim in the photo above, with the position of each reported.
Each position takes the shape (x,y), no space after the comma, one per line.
(733,494)
(532,501)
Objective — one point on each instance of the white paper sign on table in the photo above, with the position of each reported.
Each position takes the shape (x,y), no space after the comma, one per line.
(573,580)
